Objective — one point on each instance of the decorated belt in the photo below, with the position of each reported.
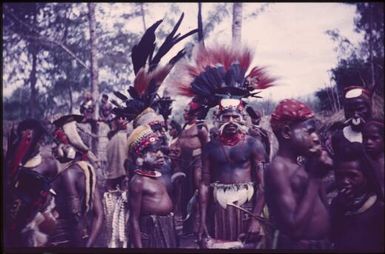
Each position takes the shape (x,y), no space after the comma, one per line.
(236,193)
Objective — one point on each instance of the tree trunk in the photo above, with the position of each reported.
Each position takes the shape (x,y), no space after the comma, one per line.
(94,63)
(372,74)
(94,67)
(33,79)
(70,97)
(143,16)
(237,23)
(200,23)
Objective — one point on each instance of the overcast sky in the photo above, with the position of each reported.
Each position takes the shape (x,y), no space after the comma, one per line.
(289,38)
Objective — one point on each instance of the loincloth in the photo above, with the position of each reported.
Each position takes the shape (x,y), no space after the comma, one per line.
(230,222)
(158,231)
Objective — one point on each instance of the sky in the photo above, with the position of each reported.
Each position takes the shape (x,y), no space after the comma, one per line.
(288,38)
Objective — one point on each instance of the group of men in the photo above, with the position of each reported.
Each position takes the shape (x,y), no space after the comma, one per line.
(217,182)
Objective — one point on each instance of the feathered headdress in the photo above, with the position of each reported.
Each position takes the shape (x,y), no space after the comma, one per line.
(149,74)
(217,76)
(21,144)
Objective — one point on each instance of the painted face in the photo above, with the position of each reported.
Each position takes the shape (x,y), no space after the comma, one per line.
(121,123)
(153,156)
(30,139)
(357,112)
(230,122)
(351,182)
(305,137)
(160,130)
(187,115)
(373,140)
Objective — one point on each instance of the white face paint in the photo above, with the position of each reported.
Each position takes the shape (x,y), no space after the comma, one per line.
(154,159)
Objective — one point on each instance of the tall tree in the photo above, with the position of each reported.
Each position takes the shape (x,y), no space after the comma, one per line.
(143,15)
(200,23)
(22,20)
(370,20)
(93,58)
(237,23)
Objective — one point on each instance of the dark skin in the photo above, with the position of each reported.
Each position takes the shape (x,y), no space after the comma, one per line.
(350,180)
(193,138)
(374,147)
(357,108)
(70,184)
(232,164)
(297,201)
(47,168)
(148,196)
(347,230)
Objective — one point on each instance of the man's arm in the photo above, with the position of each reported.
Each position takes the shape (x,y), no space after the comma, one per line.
(203,138)
(204,191)
(135,203)
(292,215)
(203,134)
(257,159)
(97,218)
(73,205)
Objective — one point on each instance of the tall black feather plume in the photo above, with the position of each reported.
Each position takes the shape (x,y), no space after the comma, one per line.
(169,42)
(164,107)
(144,49)
(177,57)
(120,96)
(147,82)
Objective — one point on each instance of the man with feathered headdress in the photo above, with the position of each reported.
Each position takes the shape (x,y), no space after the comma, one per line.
(76,188)
(145,105)
(151,218)
(28,177)
(232,164)
(193,137)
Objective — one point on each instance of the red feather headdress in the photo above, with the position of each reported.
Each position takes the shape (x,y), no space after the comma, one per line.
(219,72)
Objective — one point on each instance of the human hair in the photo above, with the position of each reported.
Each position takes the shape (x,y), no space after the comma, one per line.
(176,125)
(34,125)
(378,124)
(355,152)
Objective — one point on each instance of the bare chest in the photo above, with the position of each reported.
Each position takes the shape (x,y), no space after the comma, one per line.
(230,154)
(154,187)
(189,138)
(299,180)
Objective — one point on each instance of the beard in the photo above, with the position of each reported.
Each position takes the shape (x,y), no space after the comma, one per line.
(235,125)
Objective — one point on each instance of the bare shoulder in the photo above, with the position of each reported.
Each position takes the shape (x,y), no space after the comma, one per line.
(277,166)
(253,141)
(202,128)
(136,183)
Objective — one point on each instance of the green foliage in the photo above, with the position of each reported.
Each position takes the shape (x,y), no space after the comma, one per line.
(363,66)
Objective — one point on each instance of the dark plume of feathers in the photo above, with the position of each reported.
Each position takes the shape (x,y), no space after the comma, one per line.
(149,75)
